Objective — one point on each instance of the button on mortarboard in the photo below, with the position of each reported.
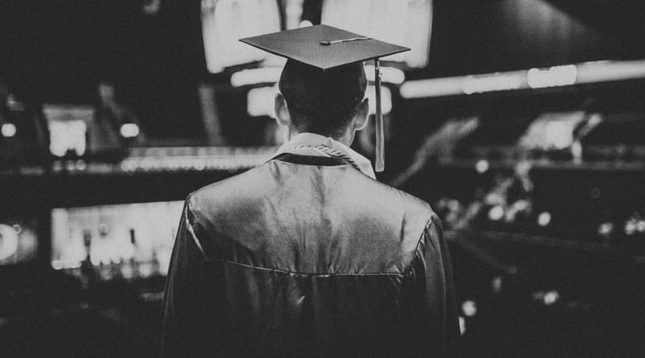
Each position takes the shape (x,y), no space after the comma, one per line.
(323,46)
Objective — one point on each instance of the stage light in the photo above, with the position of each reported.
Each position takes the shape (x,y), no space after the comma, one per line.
(129,130)
(482,166)
(81,165)
(151,7)
(437,87)
(605,71)
(606,229)
(10,241)
(552,76)
(640,226)
(495,82)
(551,297)
(534,78)
(496,213)
(497,284)
(8,130)
(13,104)
(469,308)
(631,227)
(544,219)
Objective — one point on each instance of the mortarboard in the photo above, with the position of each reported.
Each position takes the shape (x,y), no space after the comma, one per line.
(327,47)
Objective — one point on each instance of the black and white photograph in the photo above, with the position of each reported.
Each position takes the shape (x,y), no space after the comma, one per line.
(322,178)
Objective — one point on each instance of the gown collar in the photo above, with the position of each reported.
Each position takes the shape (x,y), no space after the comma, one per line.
(311,144)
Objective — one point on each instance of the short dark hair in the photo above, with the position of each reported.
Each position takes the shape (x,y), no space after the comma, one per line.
(322,102)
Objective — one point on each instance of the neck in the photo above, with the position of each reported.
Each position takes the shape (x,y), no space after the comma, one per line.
(346,138)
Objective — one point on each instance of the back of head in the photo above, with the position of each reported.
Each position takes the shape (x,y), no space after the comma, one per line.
(322,102)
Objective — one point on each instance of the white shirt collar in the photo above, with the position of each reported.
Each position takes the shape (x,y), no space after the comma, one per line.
(306,143)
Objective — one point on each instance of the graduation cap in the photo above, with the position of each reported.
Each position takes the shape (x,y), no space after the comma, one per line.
(326,47)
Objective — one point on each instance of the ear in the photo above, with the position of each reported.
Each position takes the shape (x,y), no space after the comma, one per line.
(361,117)
(282,111)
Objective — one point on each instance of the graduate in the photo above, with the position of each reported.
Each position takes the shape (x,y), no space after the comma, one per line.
(308,255)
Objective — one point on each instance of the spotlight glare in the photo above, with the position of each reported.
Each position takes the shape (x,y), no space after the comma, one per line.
(8,130)
(544,219)
(469,308)
(129,130)
(496,213)
(482,166)
(551,297)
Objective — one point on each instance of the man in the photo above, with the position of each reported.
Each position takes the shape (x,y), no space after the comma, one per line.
(308,255)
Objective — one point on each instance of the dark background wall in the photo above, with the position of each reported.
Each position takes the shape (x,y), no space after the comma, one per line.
(58,50)
(497,35)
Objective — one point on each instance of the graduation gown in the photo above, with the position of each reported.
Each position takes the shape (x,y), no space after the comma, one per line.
(306,256)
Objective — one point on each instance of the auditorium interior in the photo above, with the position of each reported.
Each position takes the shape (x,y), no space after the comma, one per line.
(522,122)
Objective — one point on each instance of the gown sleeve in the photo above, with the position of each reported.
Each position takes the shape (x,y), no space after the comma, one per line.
(434,288)
(185,294)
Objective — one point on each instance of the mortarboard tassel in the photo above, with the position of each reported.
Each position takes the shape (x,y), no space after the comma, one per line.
(379,166)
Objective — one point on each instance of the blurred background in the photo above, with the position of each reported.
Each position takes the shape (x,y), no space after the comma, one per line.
(521,121)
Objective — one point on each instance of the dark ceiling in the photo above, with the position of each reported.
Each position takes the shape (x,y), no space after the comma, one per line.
(623,19)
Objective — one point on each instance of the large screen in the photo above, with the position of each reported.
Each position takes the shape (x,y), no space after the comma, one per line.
(132,240)
(403,22)
(224,22)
